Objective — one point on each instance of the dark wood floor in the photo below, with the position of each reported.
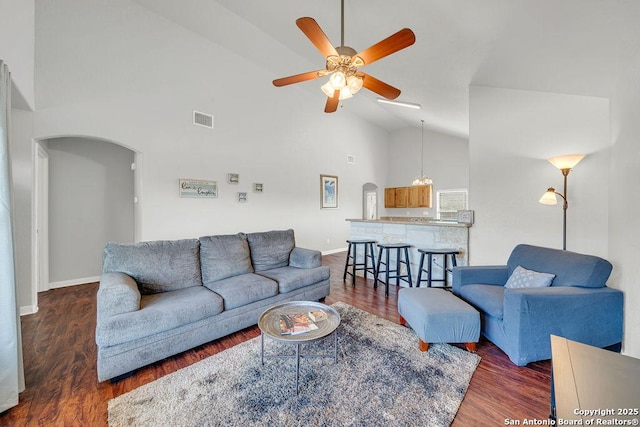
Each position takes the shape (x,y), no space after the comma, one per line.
(62,388)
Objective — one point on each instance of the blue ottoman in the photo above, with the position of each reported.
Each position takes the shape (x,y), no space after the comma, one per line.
(436,316)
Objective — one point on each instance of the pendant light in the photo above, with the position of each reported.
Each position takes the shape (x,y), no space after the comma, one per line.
(422,179)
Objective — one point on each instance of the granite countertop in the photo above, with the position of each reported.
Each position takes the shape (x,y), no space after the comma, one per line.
(410,221)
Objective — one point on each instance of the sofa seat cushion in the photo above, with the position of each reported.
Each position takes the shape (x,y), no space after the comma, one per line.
(159,313)
(292,278)
(486,298)
(159,266)
(271,249)
(224,256)
(244,289)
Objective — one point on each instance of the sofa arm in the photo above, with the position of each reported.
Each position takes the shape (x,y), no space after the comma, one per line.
(479,275)
(591,316)
(118,293)
(305,258)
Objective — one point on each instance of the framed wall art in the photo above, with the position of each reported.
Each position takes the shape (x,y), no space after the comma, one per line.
(328,191)
(257,187)
(242,197)
(197,188)
(233,178)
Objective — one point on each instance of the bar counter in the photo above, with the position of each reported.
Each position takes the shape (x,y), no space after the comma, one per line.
(420,233)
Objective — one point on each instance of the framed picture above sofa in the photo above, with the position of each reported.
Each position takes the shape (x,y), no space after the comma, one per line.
(198,188)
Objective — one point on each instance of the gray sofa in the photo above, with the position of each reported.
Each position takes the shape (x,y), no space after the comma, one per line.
(160,298)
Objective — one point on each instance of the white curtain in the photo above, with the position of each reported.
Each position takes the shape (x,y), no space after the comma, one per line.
(11,376)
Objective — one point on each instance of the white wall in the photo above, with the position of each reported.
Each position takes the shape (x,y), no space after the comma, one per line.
(446,162)
(17,49)
(512,133)
(90,203)
(127,75)
(623,200)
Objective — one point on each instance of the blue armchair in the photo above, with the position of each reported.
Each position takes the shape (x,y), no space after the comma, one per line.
(578,305)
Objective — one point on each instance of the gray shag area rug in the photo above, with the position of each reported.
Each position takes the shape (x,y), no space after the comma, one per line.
(381,378)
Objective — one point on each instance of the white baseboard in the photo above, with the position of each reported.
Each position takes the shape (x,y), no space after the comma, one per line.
(73,282)
(334,251)
(28,309)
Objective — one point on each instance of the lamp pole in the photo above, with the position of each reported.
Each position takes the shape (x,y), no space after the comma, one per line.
(565,205)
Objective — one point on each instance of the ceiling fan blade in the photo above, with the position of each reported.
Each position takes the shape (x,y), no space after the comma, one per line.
(392,44)
(332,102)
(312,30)
(380,87)
(298,78)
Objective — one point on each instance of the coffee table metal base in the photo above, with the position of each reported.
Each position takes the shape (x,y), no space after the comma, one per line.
(299,355)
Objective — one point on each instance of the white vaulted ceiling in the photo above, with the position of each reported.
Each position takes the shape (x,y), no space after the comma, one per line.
(562,46)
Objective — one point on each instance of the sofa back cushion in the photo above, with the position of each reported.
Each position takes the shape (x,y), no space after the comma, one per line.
(271,249)
(570,268)
(159,266)
(224,256)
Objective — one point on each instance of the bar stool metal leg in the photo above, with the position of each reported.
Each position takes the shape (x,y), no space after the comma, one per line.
(386,281)
(408,264)
(373,260)
(397,267)
(354,261)
(375,282)
(346,264)
(421,266)
(454,263)
(429,276)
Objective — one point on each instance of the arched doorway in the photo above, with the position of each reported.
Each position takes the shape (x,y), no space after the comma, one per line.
(85,199)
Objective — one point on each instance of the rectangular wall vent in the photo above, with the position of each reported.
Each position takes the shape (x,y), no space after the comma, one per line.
(351,159)
(202,119)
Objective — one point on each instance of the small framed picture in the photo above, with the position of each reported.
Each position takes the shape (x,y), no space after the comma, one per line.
(257,187)
(242,197)
(233,178)
(328,191)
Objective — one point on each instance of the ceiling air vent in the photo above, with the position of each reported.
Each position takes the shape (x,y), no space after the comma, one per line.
(202,119)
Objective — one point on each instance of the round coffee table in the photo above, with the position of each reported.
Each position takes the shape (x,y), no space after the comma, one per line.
(269,324)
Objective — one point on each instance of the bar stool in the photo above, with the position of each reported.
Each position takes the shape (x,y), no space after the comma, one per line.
(401,249)
(353,257)
(446,253)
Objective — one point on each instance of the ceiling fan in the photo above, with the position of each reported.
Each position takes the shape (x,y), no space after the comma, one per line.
(343,63)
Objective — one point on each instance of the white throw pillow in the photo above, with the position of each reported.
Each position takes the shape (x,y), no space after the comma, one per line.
(523,278)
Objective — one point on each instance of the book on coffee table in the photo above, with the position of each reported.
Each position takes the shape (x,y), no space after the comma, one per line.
(317,315)
(298,323)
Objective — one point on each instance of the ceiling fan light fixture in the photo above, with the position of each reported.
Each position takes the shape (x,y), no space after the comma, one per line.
(354,83)
(338,80)
(328,89)
(345,93)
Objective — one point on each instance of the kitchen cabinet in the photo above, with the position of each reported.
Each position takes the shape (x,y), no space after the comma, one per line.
(419,196)
(389,197)
(415,196)
(402,196)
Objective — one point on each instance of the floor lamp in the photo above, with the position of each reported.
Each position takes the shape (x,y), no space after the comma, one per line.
(565,164)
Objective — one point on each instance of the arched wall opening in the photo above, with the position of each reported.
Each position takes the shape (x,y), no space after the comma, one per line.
(85,195)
